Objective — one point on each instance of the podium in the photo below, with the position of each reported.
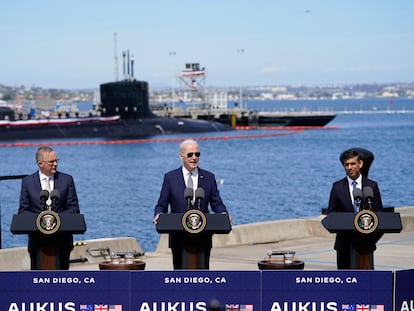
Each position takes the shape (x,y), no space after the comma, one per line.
(364,229)
(194,229)
(48,225)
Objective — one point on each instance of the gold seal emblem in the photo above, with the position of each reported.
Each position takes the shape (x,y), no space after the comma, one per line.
(48,222)
(366,221)
(194,221)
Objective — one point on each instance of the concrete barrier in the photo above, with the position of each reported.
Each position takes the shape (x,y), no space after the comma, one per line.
(17,258)
(280,230)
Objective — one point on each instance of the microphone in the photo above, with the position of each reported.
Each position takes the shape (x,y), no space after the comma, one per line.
(188,195)
(358,197)
(44,195)
(199,196)
(369,196)
(54,196)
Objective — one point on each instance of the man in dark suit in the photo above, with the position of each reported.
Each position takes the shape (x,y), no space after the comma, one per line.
(48,178)
(172,194)
(341,200)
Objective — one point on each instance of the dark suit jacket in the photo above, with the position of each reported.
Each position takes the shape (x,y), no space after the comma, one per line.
(67,203)
(340,201)
(172,194)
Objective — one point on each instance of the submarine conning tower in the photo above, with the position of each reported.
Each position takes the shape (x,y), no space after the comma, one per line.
(129,99)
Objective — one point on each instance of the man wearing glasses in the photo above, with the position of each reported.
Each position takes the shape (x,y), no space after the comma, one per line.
(47,180)
(175,183)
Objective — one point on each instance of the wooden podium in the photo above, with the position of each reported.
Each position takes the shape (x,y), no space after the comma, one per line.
(363,229)
(195,228)
(48,225)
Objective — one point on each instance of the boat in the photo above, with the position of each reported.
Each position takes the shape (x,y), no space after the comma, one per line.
(196,102)
(124,113)
(301,118)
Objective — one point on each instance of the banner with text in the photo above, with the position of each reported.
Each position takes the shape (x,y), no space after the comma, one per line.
(201,290)
(195,290)
(327,290)
(64,291)
(404,290)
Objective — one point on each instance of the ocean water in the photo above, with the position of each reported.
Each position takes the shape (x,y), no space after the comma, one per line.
(262,175)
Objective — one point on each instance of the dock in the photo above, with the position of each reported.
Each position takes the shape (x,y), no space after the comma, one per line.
(244,247)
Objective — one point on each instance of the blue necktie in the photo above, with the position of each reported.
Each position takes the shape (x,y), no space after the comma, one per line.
(354,183)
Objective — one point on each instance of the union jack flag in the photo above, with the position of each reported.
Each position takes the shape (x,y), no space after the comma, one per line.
(103,308)
(232,307)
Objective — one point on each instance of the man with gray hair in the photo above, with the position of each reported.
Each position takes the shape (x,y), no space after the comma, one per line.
(189,175)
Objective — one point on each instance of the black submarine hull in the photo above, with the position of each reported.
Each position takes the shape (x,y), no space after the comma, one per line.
(121,129)
(124,114)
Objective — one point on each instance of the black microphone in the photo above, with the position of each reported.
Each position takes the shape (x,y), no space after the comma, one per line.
(369,196)
(358,197)
(54,196)
(188,195)
(199,196)
(44,195)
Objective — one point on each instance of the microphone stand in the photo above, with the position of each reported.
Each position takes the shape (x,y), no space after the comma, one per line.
(369,203)
(359,205)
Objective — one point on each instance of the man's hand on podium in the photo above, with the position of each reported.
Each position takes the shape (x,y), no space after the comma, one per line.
(155,220)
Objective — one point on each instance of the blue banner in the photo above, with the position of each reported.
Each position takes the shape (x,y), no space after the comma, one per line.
(326,290)
(404,290)
(64,291)
(195,290)
(199,290)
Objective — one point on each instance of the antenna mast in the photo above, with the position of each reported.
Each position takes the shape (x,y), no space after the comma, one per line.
(115,59)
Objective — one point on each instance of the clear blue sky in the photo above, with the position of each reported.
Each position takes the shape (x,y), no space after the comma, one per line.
(70,44)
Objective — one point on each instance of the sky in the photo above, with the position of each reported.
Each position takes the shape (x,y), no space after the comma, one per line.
(71,44)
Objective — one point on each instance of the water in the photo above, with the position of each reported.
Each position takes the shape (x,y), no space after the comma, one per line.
(260,178)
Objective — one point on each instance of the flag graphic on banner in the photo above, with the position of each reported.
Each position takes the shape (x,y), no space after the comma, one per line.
(86,307)
(246,307)
(232,307)
(348,307)
(377,308)
(115,307)
(103,308)
(362,307)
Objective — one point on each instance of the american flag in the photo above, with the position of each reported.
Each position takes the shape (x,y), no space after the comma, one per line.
(362,307)
(232,307)
(86,307)
(348,307)
(377,308)
(115,307)
(246,307)
(103,308)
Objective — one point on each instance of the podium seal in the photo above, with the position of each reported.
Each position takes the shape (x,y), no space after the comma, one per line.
(366,221)
(194,221)
(48,222)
